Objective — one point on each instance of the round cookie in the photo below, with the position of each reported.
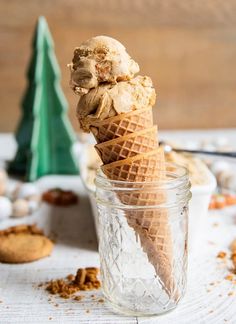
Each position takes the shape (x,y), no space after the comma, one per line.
(24,247)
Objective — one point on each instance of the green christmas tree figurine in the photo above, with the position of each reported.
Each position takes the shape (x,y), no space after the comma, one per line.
(44,136)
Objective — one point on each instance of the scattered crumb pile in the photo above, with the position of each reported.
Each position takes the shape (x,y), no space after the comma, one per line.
(59,197)
(219,201)
(223,255)
(85,279)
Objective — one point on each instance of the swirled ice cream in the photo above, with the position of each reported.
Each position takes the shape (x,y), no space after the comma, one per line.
(100,59)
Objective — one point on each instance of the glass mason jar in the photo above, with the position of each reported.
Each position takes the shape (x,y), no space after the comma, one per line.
(143,229)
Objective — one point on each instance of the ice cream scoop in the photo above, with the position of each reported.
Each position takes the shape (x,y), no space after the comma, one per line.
(98,60)
(109,100)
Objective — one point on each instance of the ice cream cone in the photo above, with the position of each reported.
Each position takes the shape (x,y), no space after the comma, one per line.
(128,145)
(151,225)
(119,114)
(122,124)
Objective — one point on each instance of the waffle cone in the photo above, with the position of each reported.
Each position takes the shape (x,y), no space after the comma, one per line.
(128,145)
(122,124)
(139,168)
(151,225)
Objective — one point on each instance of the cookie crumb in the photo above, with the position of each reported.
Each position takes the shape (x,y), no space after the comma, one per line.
(229,277)
(87,311)
(221,255)
(70,277)
(85,279)
(101,300)
(78,298)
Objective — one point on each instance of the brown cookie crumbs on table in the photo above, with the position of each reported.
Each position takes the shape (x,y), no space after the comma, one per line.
(229,277)
(78,298)
(70,277)
(233,246)
(221,255)
(101,300)
(85,279)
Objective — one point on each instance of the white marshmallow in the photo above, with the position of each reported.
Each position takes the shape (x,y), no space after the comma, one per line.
(20,208)
(26,190)
(5,208)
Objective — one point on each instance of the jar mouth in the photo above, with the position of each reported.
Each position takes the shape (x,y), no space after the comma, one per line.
(175,176)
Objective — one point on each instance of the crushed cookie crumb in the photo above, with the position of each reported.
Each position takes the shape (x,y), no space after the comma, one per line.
(85,279)
(101,300)
(229,277)
(87,311)
(233,246)
(233,258)
(221,255)
(78,298)
(70,277)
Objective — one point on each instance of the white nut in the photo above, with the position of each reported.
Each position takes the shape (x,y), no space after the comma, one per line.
(26,190)
(5,207)
(20,208)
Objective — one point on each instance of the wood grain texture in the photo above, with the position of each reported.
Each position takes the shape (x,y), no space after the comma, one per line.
(187,47)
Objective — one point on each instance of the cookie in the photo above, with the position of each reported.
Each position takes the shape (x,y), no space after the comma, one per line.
(60,197)
(23,244)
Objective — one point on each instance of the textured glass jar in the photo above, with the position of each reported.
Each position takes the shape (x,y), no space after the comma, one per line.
(143,229)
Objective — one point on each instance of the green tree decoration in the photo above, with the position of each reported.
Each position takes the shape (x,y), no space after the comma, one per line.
(45,135)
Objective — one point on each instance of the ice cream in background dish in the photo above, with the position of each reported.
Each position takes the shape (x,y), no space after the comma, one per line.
(116,107)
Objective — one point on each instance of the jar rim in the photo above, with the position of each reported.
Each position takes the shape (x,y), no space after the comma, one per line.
(174,179)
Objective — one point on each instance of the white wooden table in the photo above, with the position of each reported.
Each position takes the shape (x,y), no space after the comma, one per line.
(206,300)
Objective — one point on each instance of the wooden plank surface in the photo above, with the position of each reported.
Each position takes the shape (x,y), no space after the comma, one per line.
(187,47)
